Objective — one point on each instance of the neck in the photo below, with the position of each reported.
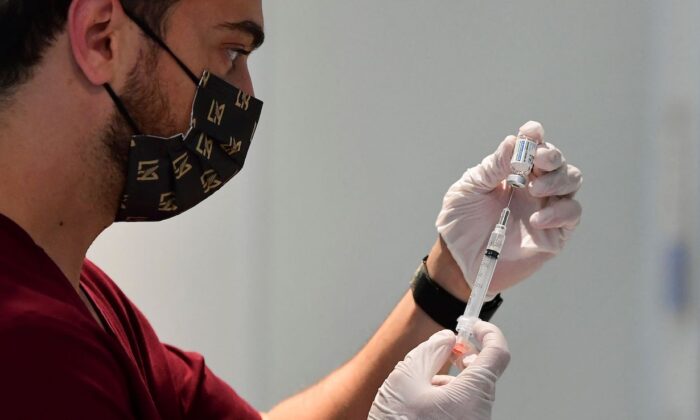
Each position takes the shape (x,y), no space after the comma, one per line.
(56,182)
(64,240)
(51,200)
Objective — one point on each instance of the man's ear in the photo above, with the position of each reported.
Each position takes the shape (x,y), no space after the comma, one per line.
(96,32)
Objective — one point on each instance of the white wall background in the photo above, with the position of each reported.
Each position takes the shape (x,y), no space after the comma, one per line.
(373,108)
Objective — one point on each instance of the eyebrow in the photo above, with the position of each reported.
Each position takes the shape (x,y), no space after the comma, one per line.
(249,27)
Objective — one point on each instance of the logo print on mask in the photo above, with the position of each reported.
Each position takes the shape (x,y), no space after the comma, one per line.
(148,171)
(205,78)
(167,202)
(242,101)
(181,166)
(205,145)
(232,147)
(216,112)
(210,181)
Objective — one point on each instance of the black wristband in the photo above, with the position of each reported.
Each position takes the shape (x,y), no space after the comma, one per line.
(440,305)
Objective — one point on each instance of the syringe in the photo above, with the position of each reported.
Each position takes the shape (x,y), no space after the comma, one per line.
(521,165)
(465,323)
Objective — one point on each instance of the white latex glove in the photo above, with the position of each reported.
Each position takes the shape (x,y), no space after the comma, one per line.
(412,391)
(543,215)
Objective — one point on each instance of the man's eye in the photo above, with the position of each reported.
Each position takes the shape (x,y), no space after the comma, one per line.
(235,54)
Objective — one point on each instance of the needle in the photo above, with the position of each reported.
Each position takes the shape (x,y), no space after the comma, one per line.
(512,191)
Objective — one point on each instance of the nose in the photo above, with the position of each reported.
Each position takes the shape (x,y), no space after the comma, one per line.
(242,80)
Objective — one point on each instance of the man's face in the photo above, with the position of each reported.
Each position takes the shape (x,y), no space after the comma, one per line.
(213,35)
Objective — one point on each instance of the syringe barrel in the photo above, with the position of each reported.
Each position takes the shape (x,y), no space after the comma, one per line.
(481,286)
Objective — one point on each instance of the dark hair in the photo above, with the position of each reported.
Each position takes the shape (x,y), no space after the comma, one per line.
(29,27)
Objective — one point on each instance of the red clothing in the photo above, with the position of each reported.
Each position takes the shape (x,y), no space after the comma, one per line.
(57,363)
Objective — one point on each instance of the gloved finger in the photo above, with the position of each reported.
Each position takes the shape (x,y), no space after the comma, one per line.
(481,375)
(494,355)
(547,159)
(427,358)
(467,357)
(441,380)
(489,174)
(468,360)
(566,180)
(464,362)
(559,213)
(533,130)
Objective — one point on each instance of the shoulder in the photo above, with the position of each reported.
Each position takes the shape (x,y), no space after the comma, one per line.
(52,362)
(34,340)
(94,278)
(97,281)
(94,275)
(33,322)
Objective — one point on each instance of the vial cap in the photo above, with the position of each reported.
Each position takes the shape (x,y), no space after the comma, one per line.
(516,181)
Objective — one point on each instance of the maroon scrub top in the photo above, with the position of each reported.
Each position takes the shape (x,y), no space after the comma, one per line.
(56,362)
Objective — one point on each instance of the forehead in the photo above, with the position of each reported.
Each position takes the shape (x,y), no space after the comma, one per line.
(209,13)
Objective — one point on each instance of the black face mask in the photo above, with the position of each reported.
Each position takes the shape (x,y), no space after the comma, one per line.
(167,176)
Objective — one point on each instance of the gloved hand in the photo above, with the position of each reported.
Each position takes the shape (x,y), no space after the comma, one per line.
(543,215)
(412,391)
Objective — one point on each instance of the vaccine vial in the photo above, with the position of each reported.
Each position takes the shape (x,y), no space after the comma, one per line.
(522,161)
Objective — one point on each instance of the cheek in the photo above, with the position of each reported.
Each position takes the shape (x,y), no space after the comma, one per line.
(182,113)
(177,96)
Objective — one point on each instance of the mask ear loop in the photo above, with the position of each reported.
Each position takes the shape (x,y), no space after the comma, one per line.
(146,30)
(121,108)
(149,32)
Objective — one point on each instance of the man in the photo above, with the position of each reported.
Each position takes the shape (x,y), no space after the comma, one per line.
(138,110)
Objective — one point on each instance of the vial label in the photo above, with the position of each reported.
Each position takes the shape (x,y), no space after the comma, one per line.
(523,156)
